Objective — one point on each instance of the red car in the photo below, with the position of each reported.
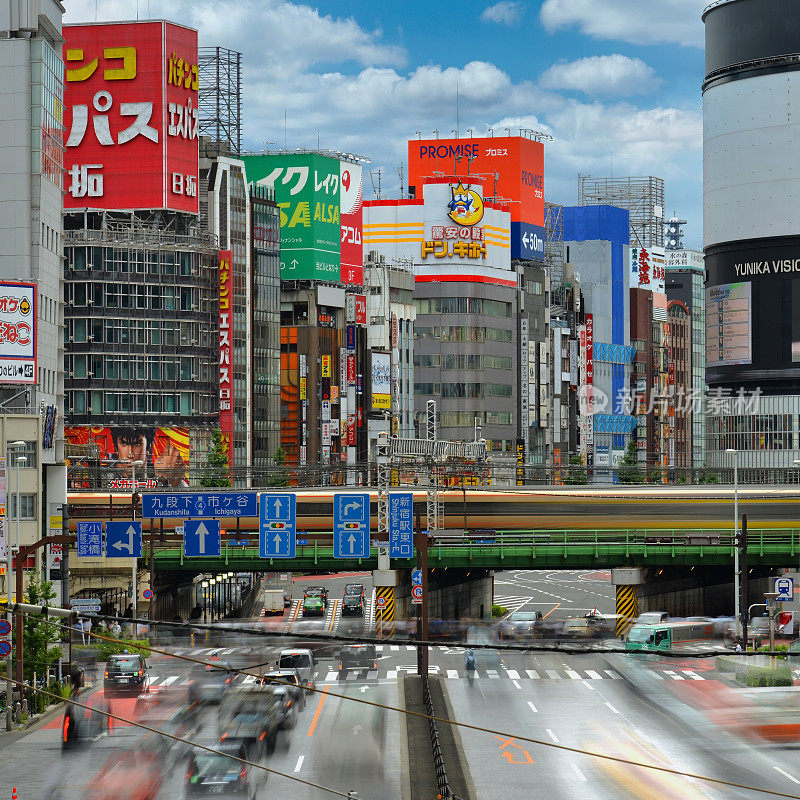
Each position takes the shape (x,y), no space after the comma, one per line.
(128,775)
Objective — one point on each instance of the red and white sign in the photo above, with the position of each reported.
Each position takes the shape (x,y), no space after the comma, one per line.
(361,309)
(225,350)
(326,434)
(351,250)
(351,370)
(351,429)
(131,116)
(589,351)
(17,333)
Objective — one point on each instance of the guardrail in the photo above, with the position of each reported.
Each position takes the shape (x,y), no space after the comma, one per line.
(442,783)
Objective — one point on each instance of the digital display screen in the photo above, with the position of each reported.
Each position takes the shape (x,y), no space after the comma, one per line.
(729,325)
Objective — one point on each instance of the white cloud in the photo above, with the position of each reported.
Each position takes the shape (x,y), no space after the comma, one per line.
(506,12)
(635,21)
(601,75)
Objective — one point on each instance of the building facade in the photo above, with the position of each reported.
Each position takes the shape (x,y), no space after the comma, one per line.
(680,382)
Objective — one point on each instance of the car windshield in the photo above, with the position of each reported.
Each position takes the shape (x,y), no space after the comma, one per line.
(523,616)
(640,635)
(296,660)
(124,663)
(213,764)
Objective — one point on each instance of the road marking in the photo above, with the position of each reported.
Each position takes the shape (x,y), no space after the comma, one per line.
(333,615)
(787,775)
(532,673)
(492,673)
(300,760)
(551,735)
(612,674)
(674,675)
(693,675)
(612,708)
(532,707)
(171,679)
(588,685)
(513,674)
(595,676)
(331,676)
(579,774)
(249,679)
(551,610)
(572,674)
(392,674)
(516,683)
(551,673)
(322,697)
(394,647)
(378,648)
(452,673)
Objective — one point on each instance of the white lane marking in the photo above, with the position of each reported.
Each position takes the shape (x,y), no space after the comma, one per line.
(693,675)
(612,674)
(532,707)
(378,648)
(595,676)
(452,673)
(249,679)
(411,647)
(572,674)
(551,735)
(227,651)
(588,685)
(578,773)
(787,775)
(331,676)
(171,679)
(614,710)
(492,673)
(392,674)
(513,674)
(532,673)
(299,764)
(394,647)
(516,683)
(674,675)
(551,673)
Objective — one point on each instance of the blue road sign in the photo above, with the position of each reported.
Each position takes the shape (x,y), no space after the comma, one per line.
(401,524)
(184,505)
(784,588)
(351,525)
(416,577)
(90,539)
(201,537)
(5,648)
(123,539)
(277,524)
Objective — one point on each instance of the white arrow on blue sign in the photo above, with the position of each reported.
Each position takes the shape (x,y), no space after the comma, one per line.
(416,577)
(201,538)
(123,539)
(277,526)
(351,520)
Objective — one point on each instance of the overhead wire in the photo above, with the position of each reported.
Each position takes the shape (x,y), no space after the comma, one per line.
(468,726)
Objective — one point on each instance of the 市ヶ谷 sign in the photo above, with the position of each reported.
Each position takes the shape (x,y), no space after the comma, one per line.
(204,504)
(277,522)
(351,525)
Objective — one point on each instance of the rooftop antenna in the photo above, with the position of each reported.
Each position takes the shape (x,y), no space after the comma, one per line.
(402,180)
(284,129)
(376,191)
(458,124)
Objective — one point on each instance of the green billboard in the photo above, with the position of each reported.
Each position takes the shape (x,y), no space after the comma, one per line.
(307,193)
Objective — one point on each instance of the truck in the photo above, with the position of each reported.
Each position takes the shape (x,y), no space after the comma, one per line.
(273,601)
(669,635)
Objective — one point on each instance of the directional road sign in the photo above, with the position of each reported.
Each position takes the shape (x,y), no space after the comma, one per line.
(123,539)
(784,588)
(351,525)
(84,605)
(184,505)
(5,627)
(401,524)
(90,539)
(201,538)
(277,523)
(5,648)
(416,577)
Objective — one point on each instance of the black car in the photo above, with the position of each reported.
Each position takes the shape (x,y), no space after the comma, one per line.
(220,774)
(82,726)
(289,678)
(251,715)
(353,605)
(210,683)
(125,672)
(357,657)
(354,589)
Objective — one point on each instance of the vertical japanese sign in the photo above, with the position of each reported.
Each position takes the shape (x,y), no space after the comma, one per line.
(131,118)
(589,380)
(351,202)
(307,191)
(17,332)
(225,348)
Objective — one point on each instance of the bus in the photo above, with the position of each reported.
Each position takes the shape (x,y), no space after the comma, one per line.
(668,635)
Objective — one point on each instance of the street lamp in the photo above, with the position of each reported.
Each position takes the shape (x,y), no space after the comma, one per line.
(204,585)
(134,588)
(736,614)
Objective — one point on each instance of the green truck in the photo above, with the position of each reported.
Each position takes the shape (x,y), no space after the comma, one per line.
(669,635)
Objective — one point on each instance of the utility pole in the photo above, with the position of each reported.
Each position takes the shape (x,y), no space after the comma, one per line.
(741,546)
(421,546)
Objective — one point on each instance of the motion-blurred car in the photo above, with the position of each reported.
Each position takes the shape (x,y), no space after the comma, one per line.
(521,625)
(287,707)
(210,683)
(289,678)
(132,774)
(125,672)
(82,726)
(220,774)
(313,607)
(301,660)
(250,715)
(652,617)
(357,657)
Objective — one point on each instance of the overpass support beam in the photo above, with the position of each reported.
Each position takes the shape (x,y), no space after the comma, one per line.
(385,581)
(626,580)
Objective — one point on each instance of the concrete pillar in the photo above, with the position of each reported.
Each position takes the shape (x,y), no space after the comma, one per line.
(626,579)
(385,581)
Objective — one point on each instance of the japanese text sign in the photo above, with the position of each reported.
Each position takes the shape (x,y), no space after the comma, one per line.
(90,539)
(401,524)
(225,351)
(131,116)
(17,333)
(189,504)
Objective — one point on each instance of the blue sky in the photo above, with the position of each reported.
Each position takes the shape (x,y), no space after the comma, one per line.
(605,78)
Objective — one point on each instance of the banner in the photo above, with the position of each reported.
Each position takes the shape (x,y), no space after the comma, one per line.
(18,333)
(381,380)
(225,352)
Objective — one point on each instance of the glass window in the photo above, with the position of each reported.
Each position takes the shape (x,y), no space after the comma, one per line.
(28,452)
(186,404)
(27,506)
(78,402)
(78,366)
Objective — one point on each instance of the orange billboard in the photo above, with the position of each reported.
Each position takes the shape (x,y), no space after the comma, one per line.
(512,168)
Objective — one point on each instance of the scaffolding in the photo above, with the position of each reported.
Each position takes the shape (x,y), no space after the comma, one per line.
(220,98)
(642,197)
(554,245)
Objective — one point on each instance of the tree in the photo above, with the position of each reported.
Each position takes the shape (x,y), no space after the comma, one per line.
(628,470)
(575,477)
(216,473)
(39,632)
(280,477)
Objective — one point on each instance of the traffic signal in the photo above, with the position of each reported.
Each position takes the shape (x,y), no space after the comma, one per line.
(740,540)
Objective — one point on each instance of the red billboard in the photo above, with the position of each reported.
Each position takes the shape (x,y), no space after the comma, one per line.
(512,168)
(351,196)
(225,351)
(131,116)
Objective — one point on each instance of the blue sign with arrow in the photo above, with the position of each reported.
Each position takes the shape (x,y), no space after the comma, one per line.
(201,538)
(123,539)
(277,524)
(351,526)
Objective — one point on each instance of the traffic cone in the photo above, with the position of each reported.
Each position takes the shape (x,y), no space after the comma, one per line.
(14,793)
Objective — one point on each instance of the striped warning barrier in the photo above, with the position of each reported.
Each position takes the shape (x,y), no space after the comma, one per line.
(384,610)
(627,608)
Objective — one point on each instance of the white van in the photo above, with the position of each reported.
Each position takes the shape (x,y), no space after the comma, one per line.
(303,662)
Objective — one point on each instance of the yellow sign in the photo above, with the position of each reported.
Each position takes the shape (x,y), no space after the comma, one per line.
(302,388)
(56,521)
(381,401)
(326,366)
(466,205)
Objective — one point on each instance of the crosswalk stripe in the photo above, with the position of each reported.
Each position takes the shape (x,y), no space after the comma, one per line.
(492,673)
(452,673)
(594,675)
(171,679)
(391,674)
(674,675)
(551,673)
(378,648)
(411,647)
(249,679)
(513,674)
(612,674)
(572,674)
(693,675)
(532,673)
(394,648)
(331,676)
